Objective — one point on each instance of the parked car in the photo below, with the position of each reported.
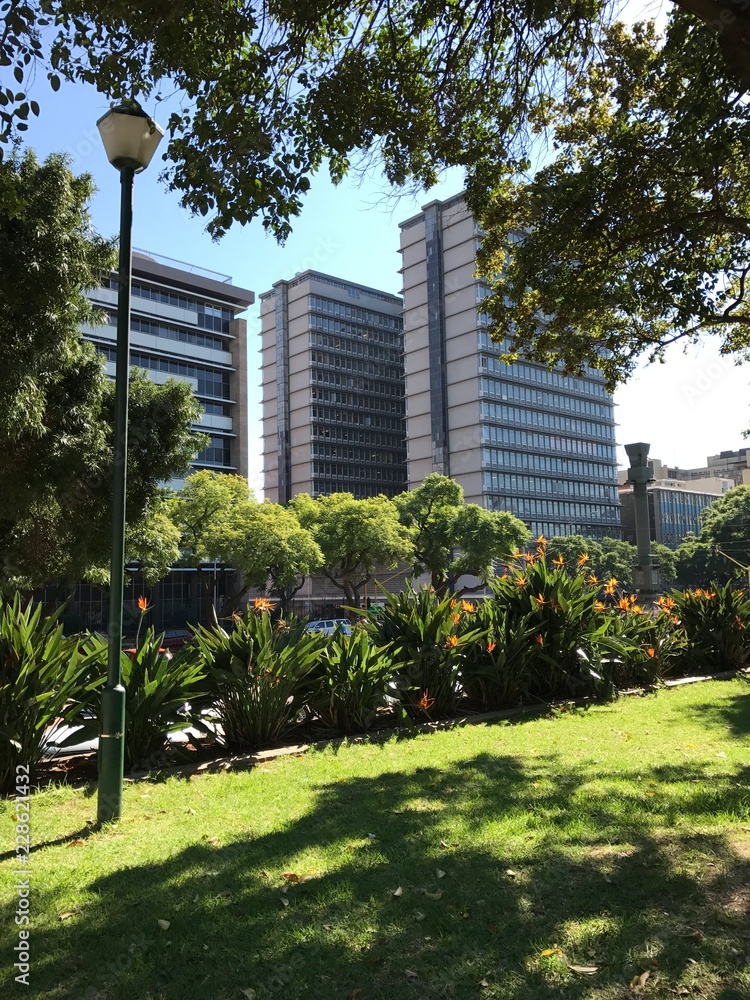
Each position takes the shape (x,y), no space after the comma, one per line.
(329,625)
(175,638)
(130,653)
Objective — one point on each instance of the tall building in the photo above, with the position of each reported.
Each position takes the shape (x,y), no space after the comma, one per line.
(185,324)
(519,438)
(333,389)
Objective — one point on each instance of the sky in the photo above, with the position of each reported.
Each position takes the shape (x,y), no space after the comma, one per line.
(692,406)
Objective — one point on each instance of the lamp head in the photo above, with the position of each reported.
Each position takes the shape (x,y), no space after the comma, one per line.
(638,454)
(130,136)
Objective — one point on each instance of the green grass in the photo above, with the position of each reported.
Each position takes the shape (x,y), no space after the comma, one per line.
(617,836)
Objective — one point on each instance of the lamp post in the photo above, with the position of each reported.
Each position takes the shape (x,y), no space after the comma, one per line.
(645,573)
(130,139)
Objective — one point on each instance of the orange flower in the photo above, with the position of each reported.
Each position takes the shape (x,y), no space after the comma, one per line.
(520,581)
(612,582)
(665,602)
(453,604)
(583,558)
(651,653)
(541,541)
(425,702)
(593,579)
(609,589)
(504,576)
(558,561)
(540,639)
(143,605)
(468,607)
(451,641)
(636,609)
(739,621)
(455,619)
(540,600)
(598,606)
(632,598)
(262,604)
(623,604)
(491,647)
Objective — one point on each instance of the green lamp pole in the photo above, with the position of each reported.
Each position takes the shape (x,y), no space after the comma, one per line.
(130,139)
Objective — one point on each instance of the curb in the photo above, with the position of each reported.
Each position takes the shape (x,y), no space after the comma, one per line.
(244,762)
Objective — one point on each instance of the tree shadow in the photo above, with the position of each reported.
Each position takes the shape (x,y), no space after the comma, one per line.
(573,863)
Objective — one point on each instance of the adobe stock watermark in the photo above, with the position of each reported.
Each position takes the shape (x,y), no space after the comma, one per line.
(706,379)
(22,873)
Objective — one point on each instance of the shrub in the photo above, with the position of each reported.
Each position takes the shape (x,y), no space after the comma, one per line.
(261,675)
(354,682)
(642,648)
(425,637)
(561,607)
(44,679)
(156,688)
(716,624)
(497,667)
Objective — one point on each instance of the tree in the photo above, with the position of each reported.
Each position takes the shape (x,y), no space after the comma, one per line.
(636,234)
(355,537)
(453,539)
(56,404)
(698,564)
(725,525)
(267,544)
(204,510)
(272,91)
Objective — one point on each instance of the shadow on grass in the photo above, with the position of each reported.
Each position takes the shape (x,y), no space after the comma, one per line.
(585,868)
(733,712)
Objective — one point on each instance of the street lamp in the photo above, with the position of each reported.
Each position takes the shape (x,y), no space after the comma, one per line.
(130,139)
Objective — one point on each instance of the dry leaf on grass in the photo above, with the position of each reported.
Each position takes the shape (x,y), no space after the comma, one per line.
(551,951)
(510,873)
(585,970)
(284,901)
(398,892)
(357,994)
(290,876)
(68,914)
(483,982)
(433,895)
(640,980)
(439,873)
(76,843)
(164,924)
(410,974)
(250,994)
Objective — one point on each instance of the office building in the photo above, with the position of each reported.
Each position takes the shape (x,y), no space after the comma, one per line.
(673,511)
(734,465)
(185,324)
(519,438)
(333,389)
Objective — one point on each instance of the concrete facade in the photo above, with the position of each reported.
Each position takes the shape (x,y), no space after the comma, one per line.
(518,438)
(333,389)
(185,324)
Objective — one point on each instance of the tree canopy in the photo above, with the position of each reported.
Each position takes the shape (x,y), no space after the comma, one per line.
(635,233)
(56,403)
(355,537)
(452,538)
(259,96)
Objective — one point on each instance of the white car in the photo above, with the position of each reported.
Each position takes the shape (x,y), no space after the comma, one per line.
(329,625)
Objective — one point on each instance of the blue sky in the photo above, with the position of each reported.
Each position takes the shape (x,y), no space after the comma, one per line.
(694,405)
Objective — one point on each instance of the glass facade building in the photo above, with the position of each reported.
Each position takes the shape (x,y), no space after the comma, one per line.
(519,437)
(184,324)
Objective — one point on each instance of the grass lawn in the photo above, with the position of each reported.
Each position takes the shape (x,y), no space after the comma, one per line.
(476,863)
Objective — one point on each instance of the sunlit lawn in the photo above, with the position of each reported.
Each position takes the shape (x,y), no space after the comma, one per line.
(481,862)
